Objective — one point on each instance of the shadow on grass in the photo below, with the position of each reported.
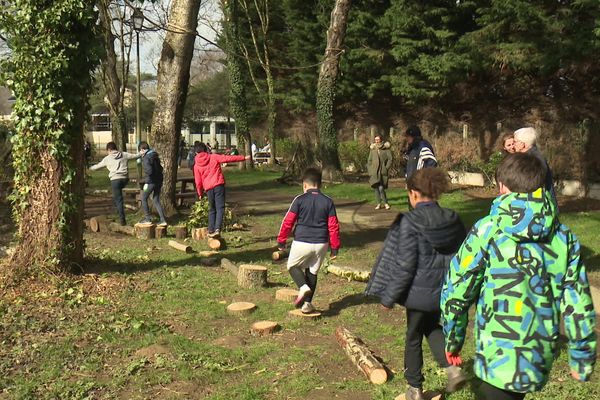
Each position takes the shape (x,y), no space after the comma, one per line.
(591,259)
(347,302)
(105,265)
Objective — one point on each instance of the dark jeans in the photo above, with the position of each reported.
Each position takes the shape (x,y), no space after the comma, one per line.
(304,278)
(489,392)
(419,324)
(117,186)
(154,189)
(216,201)
(380,194)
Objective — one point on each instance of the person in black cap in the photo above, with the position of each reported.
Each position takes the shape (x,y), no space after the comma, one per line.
(419,153)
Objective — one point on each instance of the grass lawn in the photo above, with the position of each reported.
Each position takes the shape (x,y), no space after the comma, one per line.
(148,322)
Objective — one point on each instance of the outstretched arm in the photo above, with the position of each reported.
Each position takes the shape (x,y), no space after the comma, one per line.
(228,159)
(101,164)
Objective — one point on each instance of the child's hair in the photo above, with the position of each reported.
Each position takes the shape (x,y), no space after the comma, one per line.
(200,148)
(521,173)
(430,182)
(111,146)
(312,176)
(143,146)
(505,137)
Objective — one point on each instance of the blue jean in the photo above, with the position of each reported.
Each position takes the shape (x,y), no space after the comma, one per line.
(216,201)
(117,186)
(154,189)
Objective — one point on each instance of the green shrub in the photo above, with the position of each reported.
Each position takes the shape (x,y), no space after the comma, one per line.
(285,148)
(199,215)
(354,153)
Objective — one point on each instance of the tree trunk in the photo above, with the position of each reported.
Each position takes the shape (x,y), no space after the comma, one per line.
(237,91)
(272,111)
(328,151)
(173,81)
(361,356)
(51,87)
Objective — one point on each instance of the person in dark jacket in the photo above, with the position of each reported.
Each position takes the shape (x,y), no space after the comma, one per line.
(419,153)
(152,183)
(378,166)
(410,271)
(191,157)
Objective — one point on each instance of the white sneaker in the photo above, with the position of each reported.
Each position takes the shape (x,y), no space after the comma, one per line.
(378,207)
(303,291)
(307,308)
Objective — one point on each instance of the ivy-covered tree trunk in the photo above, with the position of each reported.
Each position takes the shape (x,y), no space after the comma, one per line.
(272,110)
(112,82)
(328,146)
(237,85)
(173,81)
(54,49)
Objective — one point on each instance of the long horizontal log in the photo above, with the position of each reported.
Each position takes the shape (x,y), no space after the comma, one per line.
(361,356)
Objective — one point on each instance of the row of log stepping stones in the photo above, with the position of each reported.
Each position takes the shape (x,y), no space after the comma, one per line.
(263,328)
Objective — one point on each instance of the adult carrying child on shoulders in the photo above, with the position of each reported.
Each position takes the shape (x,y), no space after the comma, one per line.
(209,178)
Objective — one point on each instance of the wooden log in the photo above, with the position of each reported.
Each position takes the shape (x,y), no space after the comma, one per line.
(286,294)
(126,229)
(241,308)
(252,276)
(352,274)
(86,222)
(199,233)
(229,266)
(263,328)
(208,253)
(428,395)
(100,222)
(361,356)
(299,314)
(215,243)
(179,246)
(161,232)
(145,231)
(279,255)
(180,232)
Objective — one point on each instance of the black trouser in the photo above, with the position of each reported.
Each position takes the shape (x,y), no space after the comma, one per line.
(419,324)
(304,278)
(216,201)
(117,186)
(485,391)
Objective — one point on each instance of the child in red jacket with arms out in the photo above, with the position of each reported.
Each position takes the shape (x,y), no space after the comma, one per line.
(209,178)
(317,230)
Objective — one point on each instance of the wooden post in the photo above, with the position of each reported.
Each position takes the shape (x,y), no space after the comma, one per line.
(145,231)
(180,232)
(179,246)
(355,134)
(128,230)
(361,356)
(161,232)
(465,131)
(252,276)
(391,132)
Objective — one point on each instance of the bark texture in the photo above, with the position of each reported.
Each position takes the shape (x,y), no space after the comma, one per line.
(361,356)
(173,81)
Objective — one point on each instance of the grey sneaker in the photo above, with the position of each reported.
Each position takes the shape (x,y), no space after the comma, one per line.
(307,308)
(146,221)
(456,378)
(414,393)
(215,234)
(162,223)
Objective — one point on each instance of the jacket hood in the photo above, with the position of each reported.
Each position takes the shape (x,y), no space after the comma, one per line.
(384,145)
(202,159)
(441,227)
(116,155)
(526,217)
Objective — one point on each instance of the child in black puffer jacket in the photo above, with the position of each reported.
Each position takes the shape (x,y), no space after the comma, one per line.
(411,269)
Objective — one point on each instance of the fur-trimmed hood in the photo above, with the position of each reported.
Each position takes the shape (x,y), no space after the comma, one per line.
(384,145)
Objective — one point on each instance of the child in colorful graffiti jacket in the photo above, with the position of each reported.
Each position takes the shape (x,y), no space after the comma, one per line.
(524,270)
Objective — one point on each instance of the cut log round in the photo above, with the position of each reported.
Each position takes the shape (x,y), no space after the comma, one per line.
(145,231)
(286,294)
(161,232)
(229,266)
(126,229)
(179,246)
(299,314)
(252,276)
(199,233)
(361,356)
(180,232)
(241,308)
(279,255)
(263,328)
(215,243)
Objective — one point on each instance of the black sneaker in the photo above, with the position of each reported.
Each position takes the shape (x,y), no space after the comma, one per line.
(215,234)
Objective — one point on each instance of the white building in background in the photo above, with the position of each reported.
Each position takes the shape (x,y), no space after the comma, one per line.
(212,129)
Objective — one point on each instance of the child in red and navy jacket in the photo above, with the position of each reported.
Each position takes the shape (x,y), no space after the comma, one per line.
(317,230)
(209,178)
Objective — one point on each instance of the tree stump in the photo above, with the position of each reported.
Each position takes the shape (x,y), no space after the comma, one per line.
(179,246)
(229,266)
(161,232)
(252,276)
(361,356)
(145,231)
(263,328)
(126,229)
(199,233)
(180,232)
(215,243)
(279,255)
(241,308)
(299,314)
(286,294)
